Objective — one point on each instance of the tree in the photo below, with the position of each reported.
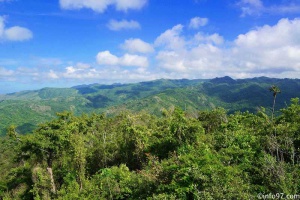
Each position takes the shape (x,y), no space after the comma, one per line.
(275,91)
(48,144)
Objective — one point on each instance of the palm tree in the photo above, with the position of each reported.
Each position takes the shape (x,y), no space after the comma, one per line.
(275,91)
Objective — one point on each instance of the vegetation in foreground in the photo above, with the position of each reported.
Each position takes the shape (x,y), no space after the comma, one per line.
(213,155)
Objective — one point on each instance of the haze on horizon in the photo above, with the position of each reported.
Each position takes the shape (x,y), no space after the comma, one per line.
(64,43)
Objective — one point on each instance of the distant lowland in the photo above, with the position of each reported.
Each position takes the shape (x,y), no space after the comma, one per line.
(27,109)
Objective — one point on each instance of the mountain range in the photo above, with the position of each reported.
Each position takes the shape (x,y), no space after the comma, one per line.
(27,109)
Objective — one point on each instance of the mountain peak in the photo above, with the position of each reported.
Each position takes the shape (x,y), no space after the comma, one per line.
(225,79)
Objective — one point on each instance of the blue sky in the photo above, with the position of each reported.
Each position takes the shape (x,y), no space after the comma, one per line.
(62,43)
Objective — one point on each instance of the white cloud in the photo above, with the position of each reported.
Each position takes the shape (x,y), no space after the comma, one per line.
(171,61)
(197,61)
(106,58)
(52,75)
(98,6)
(125,5)
(77,71)
(270,48)
(101,5)
(137,46)
(267,51)
(15,33)
(2,26)
(171,38)
(250,7)
(115,25)
(133,60)
(214,38)
(5,72)
(256,7)
(105,75)
(197,22)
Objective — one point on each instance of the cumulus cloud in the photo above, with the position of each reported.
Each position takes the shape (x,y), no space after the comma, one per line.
(270,48)
(115,25)
(101,5)
(106,58)
(15,33)
(137,46)
(197,22)
(193,56)
(265,51)
(171,39)
(133,60)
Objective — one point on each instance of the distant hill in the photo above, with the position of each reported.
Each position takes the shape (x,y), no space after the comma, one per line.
(28,108)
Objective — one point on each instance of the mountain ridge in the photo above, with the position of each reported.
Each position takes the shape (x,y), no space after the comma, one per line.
(26,109)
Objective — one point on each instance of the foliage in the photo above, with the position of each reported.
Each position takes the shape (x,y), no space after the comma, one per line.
(210,155)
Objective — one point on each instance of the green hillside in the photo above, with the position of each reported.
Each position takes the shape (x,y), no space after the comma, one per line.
(233,95)
(28,108)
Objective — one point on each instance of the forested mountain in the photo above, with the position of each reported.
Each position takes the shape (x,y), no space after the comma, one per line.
(28,108)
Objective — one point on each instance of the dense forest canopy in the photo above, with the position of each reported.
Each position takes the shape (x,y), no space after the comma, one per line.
(208,155)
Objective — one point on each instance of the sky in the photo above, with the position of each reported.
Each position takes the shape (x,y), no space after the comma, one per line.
(63,43)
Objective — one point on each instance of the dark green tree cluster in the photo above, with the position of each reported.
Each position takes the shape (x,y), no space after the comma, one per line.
(139,156)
